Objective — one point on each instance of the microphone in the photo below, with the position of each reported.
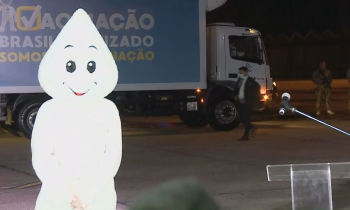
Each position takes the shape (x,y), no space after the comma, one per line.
(284,104)
(282,111)
(285,100)
(285,97)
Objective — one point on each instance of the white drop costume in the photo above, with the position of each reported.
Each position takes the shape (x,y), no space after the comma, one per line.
(77,138)
(8,16)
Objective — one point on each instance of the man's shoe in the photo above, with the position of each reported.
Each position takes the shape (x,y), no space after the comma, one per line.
(330,112)
(244,138)
(318,113)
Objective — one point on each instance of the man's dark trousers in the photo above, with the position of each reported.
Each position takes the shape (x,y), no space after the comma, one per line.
(245,111)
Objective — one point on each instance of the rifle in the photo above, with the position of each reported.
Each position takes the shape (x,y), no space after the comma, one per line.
(325,79)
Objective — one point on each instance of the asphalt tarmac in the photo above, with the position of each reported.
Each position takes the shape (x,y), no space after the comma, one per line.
(159,149)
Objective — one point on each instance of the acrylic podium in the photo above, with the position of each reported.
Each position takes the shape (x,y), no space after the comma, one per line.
(311,185)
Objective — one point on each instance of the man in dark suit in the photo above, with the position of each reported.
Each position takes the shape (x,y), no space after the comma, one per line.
(245,94)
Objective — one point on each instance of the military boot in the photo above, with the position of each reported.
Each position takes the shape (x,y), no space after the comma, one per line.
(330,112)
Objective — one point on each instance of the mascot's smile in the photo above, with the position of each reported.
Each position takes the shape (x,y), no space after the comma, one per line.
(76,93)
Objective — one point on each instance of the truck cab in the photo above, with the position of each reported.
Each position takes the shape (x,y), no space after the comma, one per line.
(228,48)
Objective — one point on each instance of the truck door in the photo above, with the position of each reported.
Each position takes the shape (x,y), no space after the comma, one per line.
(245,51)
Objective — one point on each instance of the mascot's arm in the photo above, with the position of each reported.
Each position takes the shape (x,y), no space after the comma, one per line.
(45,163)
(110,160)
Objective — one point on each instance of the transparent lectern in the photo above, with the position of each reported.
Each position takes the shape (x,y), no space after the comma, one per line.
(311,184)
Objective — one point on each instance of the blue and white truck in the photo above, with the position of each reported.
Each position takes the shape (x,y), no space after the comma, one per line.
(170,61)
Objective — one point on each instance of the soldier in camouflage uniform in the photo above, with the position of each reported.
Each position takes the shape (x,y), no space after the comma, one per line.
(322,77)
(348,77)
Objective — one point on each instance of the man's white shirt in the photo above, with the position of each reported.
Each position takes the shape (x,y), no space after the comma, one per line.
(241,88)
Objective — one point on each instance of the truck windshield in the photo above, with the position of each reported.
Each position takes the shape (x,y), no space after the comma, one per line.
(246,48)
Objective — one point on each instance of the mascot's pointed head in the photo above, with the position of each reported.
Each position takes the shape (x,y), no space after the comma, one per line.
(78,64)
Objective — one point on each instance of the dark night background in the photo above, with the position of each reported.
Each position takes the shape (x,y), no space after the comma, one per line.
(274,18)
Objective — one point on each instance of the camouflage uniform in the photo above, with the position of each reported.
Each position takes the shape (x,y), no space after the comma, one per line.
(322,78)
(348,78)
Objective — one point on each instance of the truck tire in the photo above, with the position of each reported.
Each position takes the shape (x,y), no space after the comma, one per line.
(223,114)
(193,119)
(26,117)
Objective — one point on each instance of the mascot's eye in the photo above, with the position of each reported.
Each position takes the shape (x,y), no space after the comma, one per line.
(91,66)
(70,66)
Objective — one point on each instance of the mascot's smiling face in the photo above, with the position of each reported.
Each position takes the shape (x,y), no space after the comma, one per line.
(78,65)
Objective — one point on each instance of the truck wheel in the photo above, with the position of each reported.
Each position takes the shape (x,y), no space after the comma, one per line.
(193,119)
(26,117)
(223,114)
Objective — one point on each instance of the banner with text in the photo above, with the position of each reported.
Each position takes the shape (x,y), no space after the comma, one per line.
(152,41)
